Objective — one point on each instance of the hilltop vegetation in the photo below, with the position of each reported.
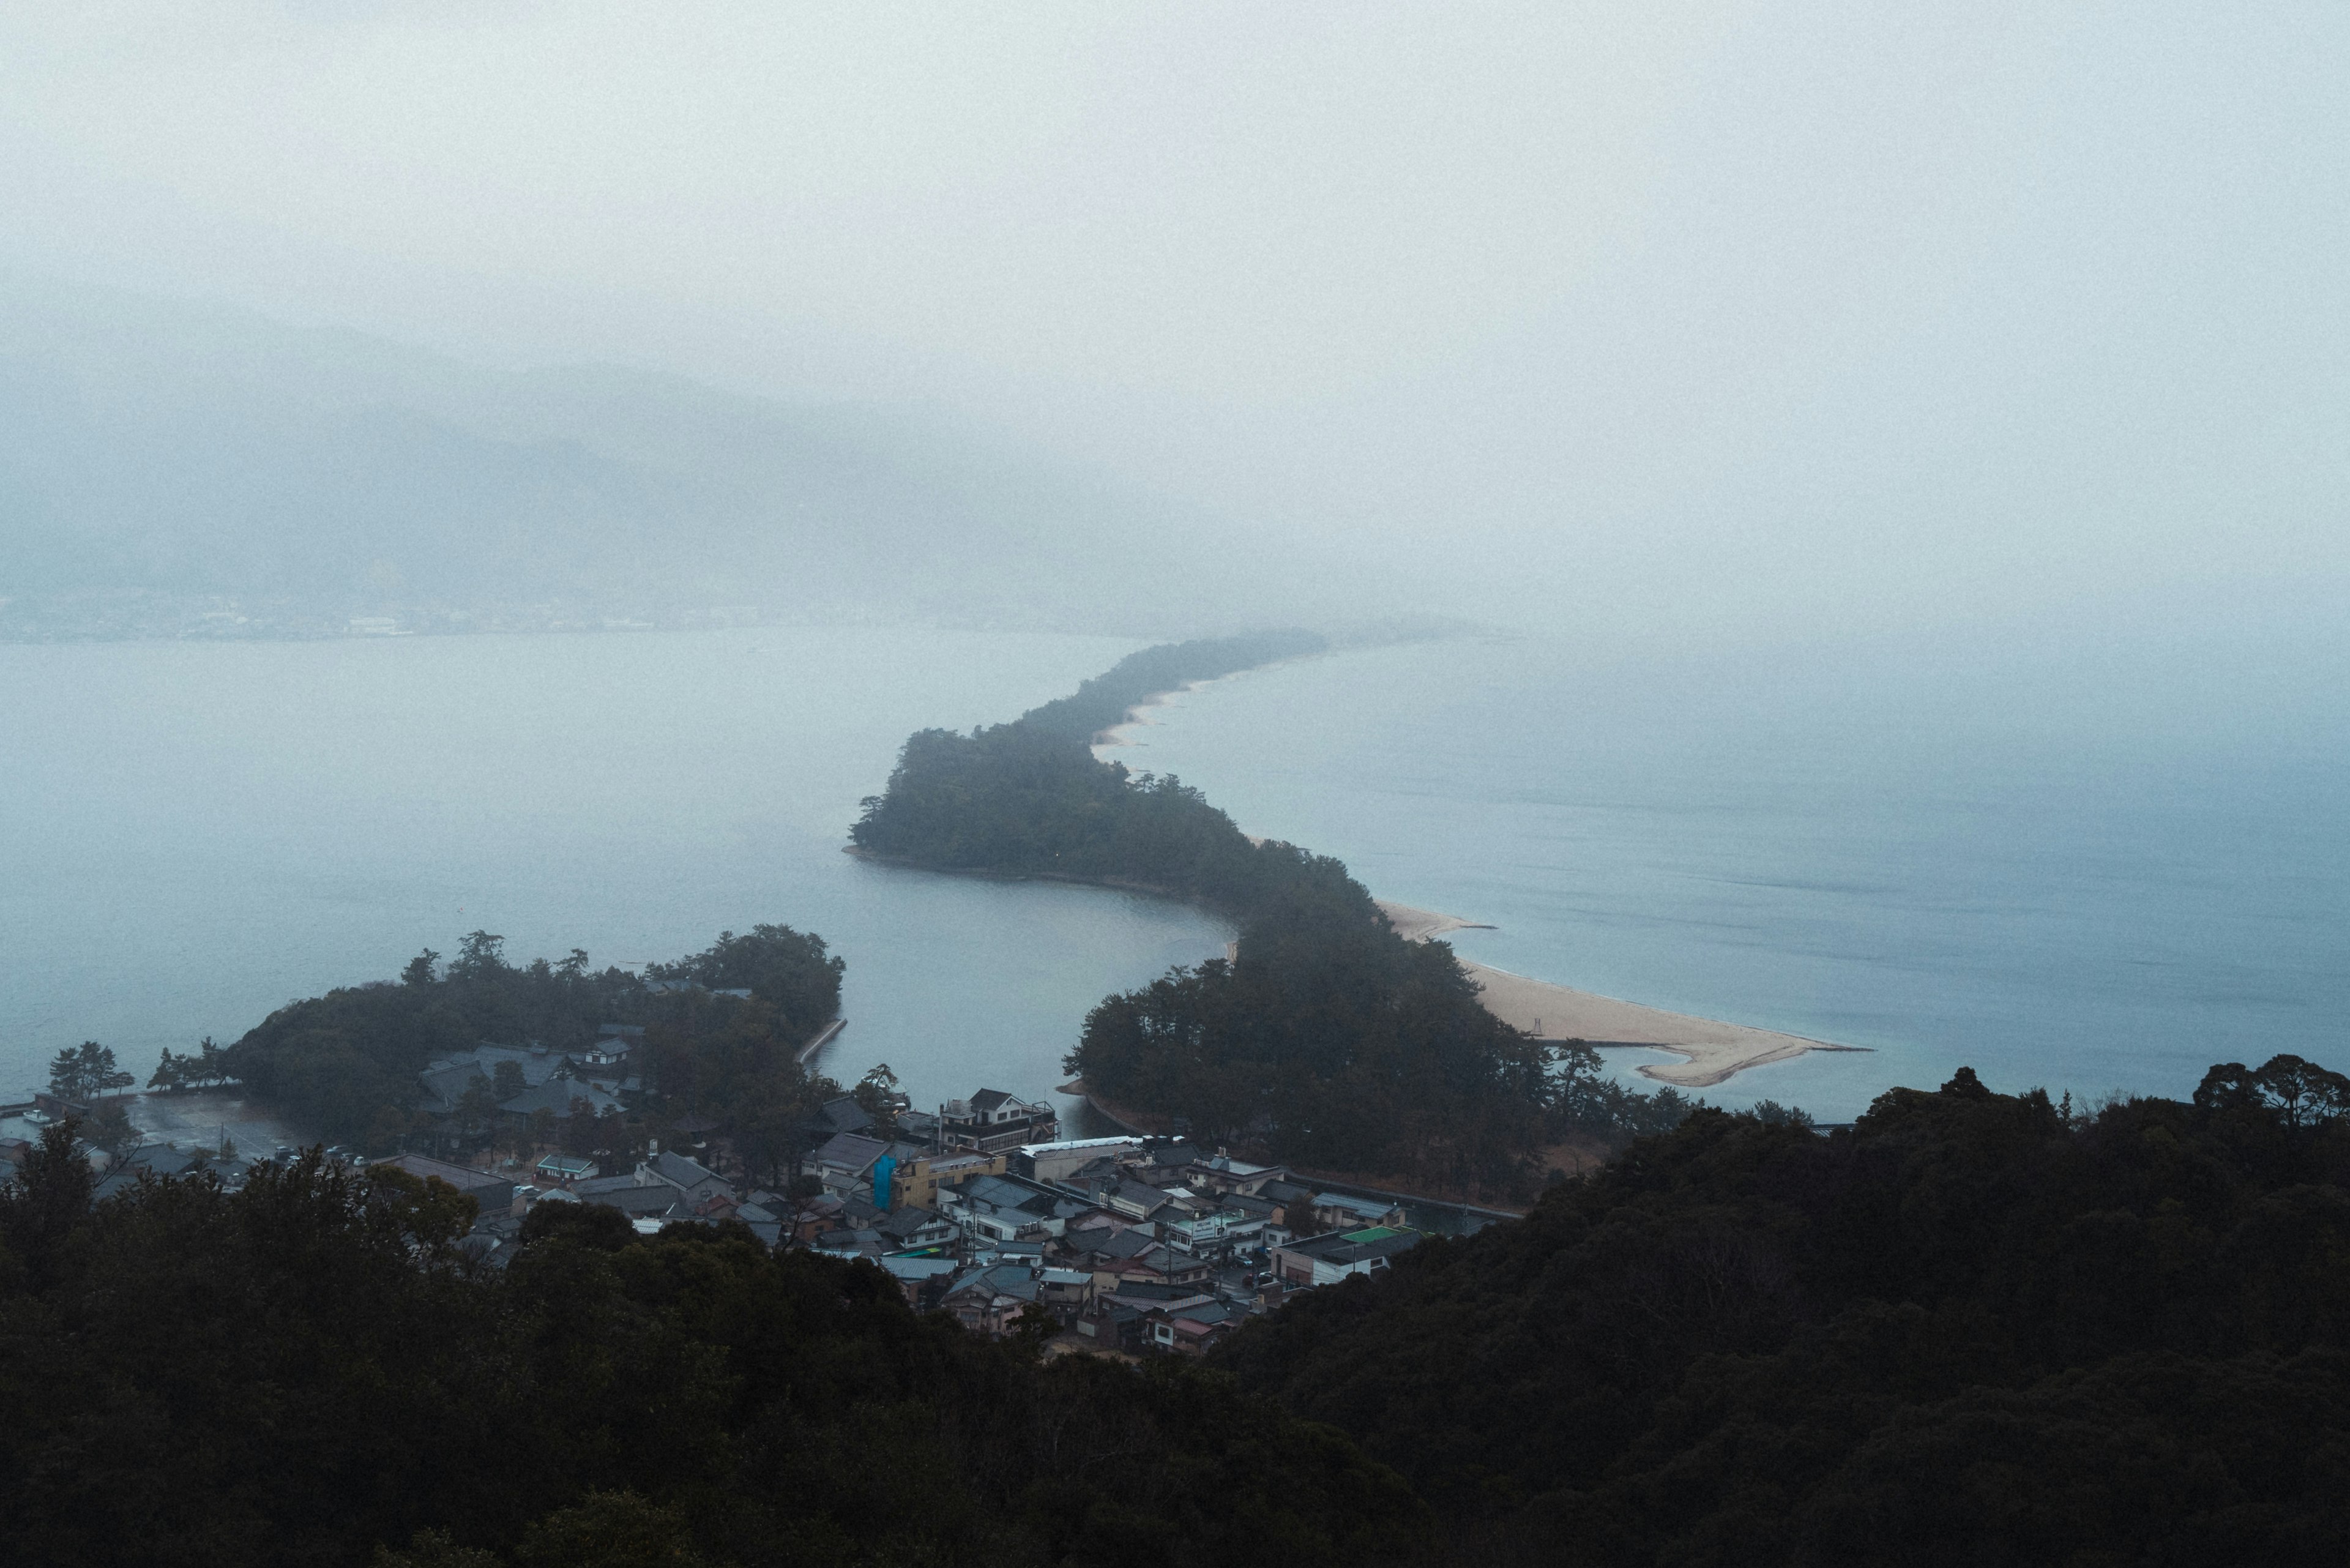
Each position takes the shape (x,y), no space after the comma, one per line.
(1029,798)
(1976,1328)
(346,1064)
(1329,1041)
(304,1373)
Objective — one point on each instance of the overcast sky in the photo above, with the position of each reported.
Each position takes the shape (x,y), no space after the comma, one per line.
(1635,314)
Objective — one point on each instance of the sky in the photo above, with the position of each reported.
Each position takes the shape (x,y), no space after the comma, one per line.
(1669,319)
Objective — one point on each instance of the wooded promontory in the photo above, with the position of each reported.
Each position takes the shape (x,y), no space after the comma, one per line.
(1327,1040)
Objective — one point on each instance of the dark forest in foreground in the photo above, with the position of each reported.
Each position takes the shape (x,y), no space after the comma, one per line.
(305,1371)
(1975,1328)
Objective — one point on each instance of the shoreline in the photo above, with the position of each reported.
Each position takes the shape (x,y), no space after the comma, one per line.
(1116,736)
(1134,1123)
(1115,884)
(822,1038)
(1713,1051)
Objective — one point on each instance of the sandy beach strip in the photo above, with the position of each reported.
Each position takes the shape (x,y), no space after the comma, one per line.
(1126,731)
(1713,1050)
(1421,925)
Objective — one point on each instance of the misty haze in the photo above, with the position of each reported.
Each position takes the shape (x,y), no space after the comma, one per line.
(1111,785)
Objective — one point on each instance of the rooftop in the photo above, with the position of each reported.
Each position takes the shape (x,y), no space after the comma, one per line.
(463,1178)
(1032,1149)
(850,1151)
(677,1168)
(564,1096)
(1344,1247)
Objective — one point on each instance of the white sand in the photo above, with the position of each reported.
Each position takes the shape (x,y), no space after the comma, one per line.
(1714,1049)
(1138,719)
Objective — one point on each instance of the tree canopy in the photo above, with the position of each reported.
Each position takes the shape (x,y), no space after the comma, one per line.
(308,1373)
(1973,1328)
(85,1072)
(346,1064)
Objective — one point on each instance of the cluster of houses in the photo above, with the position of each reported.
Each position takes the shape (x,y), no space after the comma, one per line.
(983,1211)
(1137,1244)
(980,1210)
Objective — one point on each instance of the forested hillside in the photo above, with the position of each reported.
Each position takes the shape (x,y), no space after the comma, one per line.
(174,469)
(305,1373)
(1975,1328)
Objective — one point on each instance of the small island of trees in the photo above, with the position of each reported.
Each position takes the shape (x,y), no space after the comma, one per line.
(714,1035)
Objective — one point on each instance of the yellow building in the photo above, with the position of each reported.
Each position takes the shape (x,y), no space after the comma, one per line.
(916,1183)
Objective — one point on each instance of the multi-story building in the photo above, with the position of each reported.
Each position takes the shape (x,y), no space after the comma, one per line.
(992,1122)
(918,1179)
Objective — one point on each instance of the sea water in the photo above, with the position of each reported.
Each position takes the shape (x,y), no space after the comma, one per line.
(2086,869)
(192,834)
(2080,874)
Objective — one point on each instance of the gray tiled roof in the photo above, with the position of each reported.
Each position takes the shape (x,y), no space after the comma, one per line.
(904,1222)
(561,1095)
(843,1113)
(1124,1244)
(850,1151)
(1015,1280)
(670,1166)
(1001,1192)
(595,1186)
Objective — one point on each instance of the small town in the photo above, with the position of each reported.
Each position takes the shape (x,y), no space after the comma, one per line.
(1124,1246)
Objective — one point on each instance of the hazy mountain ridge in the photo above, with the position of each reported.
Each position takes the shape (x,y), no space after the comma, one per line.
(161,464)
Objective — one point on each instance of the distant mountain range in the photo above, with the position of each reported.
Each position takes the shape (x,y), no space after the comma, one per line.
(171,469)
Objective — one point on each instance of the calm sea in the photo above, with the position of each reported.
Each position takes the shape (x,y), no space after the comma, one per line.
(195,834)
(2084,868)
(2083,874)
